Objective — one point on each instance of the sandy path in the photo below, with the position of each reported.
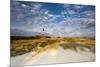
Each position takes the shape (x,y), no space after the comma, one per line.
(53,56)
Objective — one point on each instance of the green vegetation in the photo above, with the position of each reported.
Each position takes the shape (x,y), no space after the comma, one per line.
(22,45)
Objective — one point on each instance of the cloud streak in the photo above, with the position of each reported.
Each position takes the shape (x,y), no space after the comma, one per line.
(68,20)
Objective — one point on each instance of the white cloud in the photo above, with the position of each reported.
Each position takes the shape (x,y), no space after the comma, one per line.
(24,5)
(50,15)
(88,14)
(71,12)
(35,8)
(46,12)
(37,5)
(78,6)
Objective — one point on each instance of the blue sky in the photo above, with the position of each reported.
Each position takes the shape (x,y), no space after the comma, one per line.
(68,20)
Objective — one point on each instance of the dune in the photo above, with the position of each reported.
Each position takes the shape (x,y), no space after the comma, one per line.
(52,56)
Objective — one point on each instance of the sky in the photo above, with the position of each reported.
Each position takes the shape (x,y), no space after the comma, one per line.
(65,20)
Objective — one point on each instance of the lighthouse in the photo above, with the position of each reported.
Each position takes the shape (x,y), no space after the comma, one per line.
(42,32)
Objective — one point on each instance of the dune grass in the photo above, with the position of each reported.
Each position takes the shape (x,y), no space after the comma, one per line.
(22,45)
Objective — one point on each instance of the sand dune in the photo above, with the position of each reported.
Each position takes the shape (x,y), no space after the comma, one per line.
(53,56)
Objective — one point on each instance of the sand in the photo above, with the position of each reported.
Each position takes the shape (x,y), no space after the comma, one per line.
(52,56)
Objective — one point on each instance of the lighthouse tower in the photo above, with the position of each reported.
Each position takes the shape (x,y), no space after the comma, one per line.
(42,32)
